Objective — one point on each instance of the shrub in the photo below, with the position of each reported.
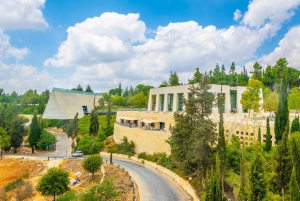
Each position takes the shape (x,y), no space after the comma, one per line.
(126,147)
(92,164)
(71,195)
(46,140)
(25,191)
(14,184)
(2,195)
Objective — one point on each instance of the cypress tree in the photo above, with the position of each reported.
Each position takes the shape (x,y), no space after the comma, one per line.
(282,115)
(214,189)
(295,125)
(94,124)
(259,136)
(243,195)
(284,162)
(35,132)
(268,137)
(221,141)
(294,187)
(258,183)
(296,160)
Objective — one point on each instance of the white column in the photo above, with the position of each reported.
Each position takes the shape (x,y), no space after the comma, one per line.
(166,103)
(150,101)
(175,102)
(157,103)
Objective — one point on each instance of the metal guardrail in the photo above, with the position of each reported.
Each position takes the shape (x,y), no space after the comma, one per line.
(122,109)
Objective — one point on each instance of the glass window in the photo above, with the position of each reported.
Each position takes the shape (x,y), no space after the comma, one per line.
(180,102)
(170,102)
(161,102)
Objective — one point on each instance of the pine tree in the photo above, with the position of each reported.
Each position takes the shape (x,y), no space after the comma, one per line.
(294,187)
(259,135)
(88,89)
(120,90)
(35,132)
(258,183)
(282,113)
(295,125)
(214,187)
(268,137)
(174,79)
(284,162)
(221,140)
(296,159)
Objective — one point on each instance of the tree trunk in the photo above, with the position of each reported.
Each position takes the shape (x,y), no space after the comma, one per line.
(73,145)
(54,197)
(282,191)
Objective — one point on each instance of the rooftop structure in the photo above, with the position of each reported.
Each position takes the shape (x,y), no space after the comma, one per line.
(65,103)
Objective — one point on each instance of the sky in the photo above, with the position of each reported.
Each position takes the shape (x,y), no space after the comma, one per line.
(101,43)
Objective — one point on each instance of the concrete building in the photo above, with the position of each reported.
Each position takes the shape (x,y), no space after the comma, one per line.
(64,103)
(149,130)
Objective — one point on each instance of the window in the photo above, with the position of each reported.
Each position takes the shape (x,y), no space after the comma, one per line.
(153,102)
(161,102)
(180,102)
(170,102)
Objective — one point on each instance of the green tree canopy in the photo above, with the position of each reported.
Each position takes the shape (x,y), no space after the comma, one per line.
(88,88)
(73,130)
(174,79)
(4,140)
(271,102)
(92,164)
(257,71)
(294,99)
(55,182)
(251,96)
(35,132)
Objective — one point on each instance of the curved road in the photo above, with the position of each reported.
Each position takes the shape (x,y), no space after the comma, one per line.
(152,185)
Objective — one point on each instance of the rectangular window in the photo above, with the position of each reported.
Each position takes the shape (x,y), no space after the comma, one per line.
(153,102)
(170,102)
(180,102)
(161,102)
(191,95)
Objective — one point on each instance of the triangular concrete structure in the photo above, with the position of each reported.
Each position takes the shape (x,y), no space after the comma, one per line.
(64,103)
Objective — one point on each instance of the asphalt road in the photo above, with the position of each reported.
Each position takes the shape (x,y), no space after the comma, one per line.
(63,145)
(152,185)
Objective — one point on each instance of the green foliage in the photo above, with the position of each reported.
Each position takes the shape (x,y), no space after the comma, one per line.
(16,132)
(94,125)
(294,99)
(250,97)
(268,136)
(92,164)
(110,157)
(73,129)
(4,139)
(159,158)
(104,191)
(284,162)
(282,115)
(35,131)
(294,187)
(46,140)
(174,79)
(271,102)
(257,71)
(295,125)
(14,184)
(88,88)
(126,147)
(54,182)
(259,135)
(214,185)
(296,159)
(243,192)
(257,178)
(69,196)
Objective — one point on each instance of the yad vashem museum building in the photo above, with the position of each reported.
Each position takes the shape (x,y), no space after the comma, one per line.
(149,129)
(65,103)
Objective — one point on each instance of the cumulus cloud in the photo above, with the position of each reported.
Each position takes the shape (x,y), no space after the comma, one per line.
(113,48)
(106,39)
(14,77)
(22,14)
(237,15)
(288,47)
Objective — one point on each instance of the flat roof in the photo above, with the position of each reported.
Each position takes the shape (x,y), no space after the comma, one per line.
(75,91)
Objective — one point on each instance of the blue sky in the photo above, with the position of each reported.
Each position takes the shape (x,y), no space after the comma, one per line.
(45,44)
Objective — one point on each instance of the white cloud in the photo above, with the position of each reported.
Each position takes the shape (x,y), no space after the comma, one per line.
(237,15)
(112,48)
(22,14)
(261,12)
(288,47)
(106,39)
(20,78)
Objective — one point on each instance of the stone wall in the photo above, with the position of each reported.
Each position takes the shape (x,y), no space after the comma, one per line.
(185,185)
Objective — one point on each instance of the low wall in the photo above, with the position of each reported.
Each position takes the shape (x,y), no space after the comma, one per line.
(185,185)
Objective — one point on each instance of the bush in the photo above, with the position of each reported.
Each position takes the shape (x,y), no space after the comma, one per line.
(85,145)
(103,191)
(126,148)
(46,140)
(71,195)
(25,191)
(92,164)
(2,195)
(14,184)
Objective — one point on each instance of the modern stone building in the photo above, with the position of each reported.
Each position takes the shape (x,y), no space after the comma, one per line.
(149,130)
(65,103)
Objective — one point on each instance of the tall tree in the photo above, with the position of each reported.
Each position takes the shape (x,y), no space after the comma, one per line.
(282,115)
(16,132)
(197,77)
(35,132)
(268,136)
(120,90)
(294,99)
(89,89)
(214,187)
(174,79)
(243,193)
(296,159)
(4,140)
(79,88)
(284,162)
(92,164)
(257,71)
(295,125)
(258,184)
(251,96)
(73,130)
(259,135)
(221,140)
(193,134)
(94,125)
(294,187)
(271,102)
(269,77)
